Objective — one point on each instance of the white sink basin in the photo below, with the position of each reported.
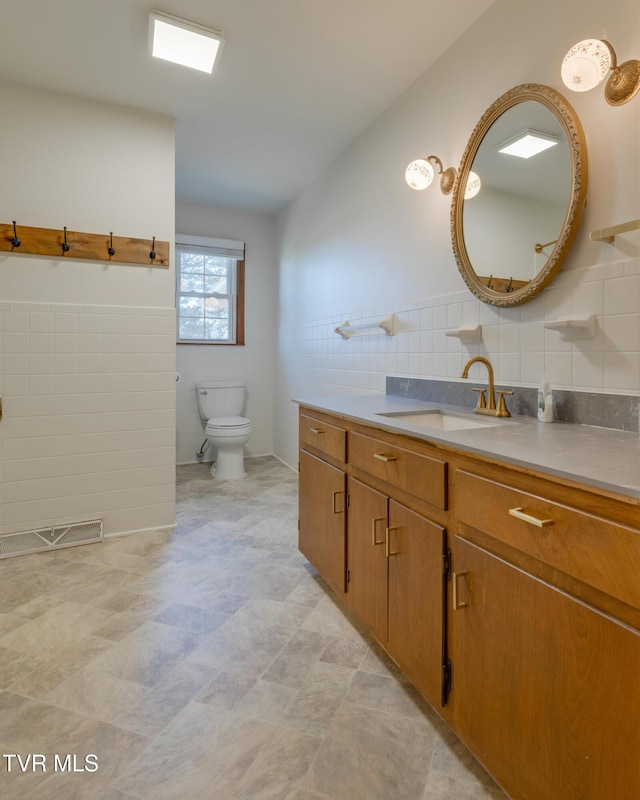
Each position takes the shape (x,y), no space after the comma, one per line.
(441,420)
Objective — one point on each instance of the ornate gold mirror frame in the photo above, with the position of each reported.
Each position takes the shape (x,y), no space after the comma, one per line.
(502,291)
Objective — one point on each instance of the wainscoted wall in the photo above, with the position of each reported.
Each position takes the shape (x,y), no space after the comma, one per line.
(87,353)
(520,347)
(89,416)
(516,342)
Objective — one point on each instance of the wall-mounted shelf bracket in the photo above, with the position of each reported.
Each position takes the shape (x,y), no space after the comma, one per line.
(582,326)
(468,334)
(609,234)
(386,325)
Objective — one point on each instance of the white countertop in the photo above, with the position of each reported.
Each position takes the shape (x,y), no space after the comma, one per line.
(600,457)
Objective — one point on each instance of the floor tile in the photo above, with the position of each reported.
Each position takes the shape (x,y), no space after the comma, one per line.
(319,699)
(385,693)
(210,662)
(166,700)
(267,701)
(99,696)
(147,655)
(372,755)
(247,645)
(297,658)
(282,763)
(226,689)
(203,747)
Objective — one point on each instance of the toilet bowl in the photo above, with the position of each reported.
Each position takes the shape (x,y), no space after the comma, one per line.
(220,404)
(229,435)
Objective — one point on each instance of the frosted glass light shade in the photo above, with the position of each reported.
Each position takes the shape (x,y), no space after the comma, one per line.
(473,186)
(419,174)
(182,42)
(586,65)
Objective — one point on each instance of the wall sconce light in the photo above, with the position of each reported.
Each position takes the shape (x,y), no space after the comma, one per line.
(419,175)
(587,64)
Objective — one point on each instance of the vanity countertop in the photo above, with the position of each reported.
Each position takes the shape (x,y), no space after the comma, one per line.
(601,457)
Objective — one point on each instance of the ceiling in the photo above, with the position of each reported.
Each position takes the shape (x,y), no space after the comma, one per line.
(297,80)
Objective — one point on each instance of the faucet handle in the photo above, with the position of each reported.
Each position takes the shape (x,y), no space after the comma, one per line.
(482,399)
(502,411)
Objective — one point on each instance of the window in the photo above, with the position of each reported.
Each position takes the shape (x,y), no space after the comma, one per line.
(209,290)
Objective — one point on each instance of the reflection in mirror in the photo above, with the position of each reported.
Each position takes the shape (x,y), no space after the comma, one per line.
(528,196)
(512,237)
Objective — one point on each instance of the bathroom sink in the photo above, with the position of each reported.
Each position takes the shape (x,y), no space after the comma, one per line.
(441,420)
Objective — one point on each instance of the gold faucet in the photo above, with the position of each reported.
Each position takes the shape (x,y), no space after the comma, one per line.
(481,407)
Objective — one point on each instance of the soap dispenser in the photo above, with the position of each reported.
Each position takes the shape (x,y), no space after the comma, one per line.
(545,402)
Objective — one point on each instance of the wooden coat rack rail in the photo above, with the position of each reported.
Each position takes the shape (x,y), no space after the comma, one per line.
(63,243)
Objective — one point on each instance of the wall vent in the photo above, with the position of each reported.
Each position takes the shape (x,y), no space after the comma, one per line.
(43,539)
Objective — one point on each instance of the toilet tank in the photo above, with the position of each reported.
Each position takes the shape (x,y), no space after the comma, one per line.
(220,398)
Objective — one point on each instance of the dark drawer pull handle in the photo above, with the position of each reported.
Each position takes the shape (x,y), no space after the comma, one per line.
(539,523)
(384,457)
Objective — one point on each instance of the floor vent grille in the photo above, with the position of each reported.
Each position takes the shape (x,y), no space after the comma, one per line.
(42,539)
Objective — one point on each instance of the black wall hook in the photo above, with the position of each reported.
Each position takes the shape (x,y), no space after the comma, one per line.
(65,246)
(152,254)
(15,241)
(110,250)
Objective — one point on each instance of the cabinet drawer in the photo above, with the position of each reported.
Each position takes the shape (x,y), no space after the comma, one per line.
(592,549)
(411,471)
(322,436)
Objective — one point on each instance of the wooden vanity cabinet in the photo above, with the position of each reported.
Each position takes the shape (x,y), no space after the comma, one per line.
(367,562)
(322,498)
(545,686)
(397,552)
(417,588)
(408,470)
(533,638)
(545,672)
(396,583)
(370,521)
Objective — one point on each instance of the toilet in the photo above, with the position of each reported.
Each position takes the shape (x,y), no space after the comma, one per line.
(220,404)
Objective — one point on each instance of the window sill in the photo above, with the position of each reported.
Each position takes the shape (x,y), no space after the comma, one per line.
(213,344)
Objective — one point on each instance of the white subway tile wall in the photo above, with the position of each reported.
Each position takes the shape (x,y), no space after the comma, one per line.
(88,426)
(521,349)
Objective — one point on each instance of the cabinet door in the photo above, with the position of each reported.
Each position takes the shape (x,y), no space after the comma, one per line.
(322,503)
(417,585)
(545,688)
(366,559)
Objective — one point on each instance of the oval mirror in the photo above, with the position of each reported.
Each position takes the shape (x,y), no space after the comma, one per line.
(511,238)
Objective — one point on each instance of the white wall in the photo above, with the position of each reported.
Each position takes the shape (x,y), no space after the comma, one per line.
(358,243)
(254,362)
(87,349)
(92,167)
(525,220)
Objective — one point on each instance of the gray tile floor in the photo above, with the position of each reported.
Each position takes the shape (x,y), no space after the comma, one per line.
(209,662)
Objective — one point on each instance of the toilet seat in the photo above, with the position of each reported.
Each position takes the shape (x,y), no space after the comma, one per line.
(227,425)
